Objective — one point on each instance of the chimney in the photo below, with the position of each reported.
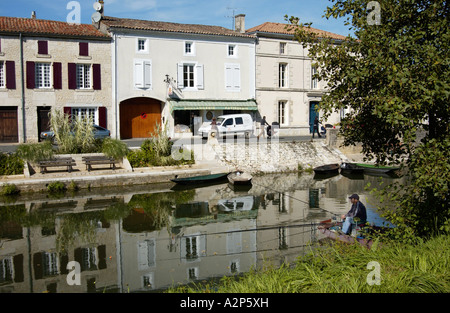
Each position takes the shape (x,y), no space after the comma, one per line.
(33,15)
(239,23)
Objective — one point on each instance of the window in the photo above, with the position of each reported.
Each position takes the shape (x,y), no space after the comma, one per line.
(6,270)
(239,121)
(83,76)
(282,75)
(42,75)
(282,48)
(42,47)
(142,45)
(232,77)
(232,50)
(282,113)
(188,75)
(192,248)
(80,113)
(143,74)
(189,48)
(146,254)
(314,81)
(2,74)
(193,273)
(84,49)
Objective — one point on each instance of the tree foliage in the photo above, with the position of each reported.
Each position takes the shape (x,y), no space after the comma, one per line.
(393,80)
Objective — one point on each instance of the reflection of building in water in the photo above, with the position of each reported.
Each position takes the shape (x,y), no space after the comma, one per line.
(201,243)
(280,238)
(153,241)
(32,258)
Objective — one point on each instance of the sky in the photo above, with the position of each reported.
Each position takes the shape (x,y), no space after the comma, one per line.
(206,12)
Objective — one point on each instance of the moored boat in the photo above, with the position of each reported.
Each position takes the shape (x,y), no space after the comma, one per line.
(203,179)
(327,169)
(351,168)
(357,168)
(240,178)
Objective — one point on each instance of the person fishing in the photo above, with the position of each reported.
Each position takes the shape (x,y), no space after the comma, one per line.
(357,210)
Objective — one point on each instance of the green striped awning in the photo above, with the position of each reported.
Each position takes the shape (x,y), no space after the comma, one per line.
(245,105)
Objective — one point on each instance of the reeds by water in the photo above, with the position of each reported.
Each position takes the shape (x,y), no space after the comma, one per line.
(403,268)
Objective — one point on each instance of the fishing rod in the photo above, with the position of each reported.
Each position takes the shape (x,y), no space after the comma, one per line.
(294,198)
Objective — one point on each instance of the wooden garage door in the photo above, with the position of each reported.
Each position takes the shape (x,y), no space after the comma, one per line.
(8,125)
(138,117)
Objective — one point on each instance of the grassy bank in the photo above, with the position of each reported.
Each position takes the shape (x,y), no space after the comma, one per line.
(420,268)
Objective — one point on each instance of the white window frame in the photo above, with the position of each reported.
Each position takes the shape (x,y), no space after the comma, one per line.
(43,77)
(198,72)
(283,113)
(191,51)
(144,49)
(234,49)
(189,75)
(283,48)
(314,81)
(2,75)
(232,77)
(84,76)
(283,78)
(80,112)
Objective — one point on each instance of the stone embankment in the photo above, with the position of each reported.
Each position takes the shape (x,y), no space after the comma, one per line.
(277,157)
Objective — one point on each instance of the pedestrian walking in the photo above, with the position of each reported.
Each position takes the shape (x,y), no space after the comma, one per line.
(316,127)
(263,127)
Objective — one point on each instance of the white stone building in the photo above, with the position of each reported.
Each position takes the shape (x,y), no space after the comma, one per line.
(165,73)
(50,65)
(285,90)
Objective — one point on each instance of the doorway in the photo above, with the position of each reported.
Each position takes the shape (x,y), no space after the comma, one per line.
(43,115)
(313,112)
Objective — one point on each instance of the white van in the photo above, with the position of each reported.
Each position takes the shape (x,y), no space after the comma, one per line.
(232,124)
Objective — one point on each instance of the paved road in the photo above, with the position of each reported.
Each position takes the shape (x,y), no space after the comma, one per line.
(137,142)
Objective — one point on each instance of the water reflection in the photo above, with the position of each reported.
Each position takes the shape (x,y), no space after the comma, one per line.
(148,238)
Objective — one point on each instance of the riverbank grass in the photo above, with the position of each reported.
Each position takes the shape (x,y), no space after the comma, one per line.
(403,268)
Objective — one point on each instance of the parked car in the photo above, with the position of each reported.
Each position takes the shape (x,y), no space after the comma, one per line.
(99,133)
(231,124)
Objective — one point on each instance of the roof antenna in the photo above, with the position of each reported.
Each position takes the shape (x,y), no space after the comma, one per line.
(233,26)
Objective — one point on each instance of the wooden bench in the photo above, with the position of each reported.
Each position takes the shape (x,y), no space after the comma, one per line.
(99,160)
(59,162)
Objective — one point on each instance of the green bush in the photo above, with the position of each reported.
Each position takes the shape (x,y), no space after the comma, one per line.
(157,151)
(9,190)
(73,135)
(10,164)
(35,152)
(56,187)
(114,148)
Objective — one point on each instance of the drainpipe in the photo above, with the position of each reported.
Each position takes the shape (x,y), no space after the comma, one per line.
(115,86)
(24,137)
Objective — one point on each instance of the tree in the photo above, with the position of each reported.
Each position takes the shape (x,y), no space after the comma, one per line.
(393,80)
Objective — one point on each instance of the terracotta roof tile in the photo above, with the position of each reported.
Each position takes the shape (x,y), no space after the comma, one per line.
(29,26)
(280,28)
(170,27)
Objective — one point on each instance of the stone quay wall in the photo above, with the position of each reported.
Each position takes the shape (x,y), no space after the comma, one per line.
(277,157)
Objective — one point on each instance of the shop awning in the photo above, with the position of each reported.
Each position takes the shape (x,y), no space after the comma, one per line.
(244,105)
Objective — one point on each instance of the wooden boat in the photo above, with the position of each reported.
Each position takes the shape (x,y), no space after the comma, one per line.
(240,178)
(203,179)
(327,169)
(351,168)
(367,168)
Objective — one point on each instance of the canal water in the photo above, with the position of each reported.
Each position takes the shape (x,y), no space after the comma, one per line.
(149,238)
